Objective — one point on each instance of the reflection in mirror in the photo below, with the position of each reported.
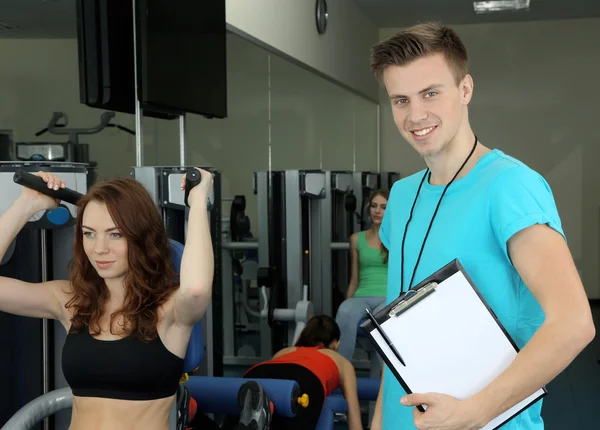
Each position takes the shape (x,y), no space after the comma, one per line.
(281,117)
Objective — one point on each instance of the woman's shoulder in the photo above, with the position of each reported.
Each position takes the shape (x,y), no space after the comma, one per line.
(284,351)
(361,234)
(340,361)
(354,239)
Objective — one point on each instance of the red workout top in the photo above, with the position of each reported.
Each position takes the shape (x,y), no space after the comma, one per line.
(318,363)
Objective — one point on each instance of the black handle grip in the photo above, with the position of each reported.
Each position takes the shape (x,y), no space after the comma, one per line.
(192,178)
(36,183)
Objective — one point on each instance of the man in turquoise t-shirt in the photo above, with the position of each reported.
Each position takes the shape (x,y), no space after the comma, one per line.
(490,211)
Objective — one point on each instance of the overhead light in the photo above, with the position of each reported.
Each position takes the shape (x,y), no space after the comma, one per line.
(500,5)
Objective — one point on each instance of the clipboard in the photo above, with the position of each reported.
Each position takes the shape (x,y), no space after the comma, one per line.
(449,339)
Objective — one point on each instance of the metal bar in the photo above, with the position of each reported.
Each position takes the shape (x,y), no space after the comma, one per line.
(293,214)
(340,246)
(182,139)
(315,284)
(241,246)
(228,305)
(293,236)
(139,144)
(262,204)
(45,334)
(287,315)
(325,236)
(320,232)
(215,341)
(357,187)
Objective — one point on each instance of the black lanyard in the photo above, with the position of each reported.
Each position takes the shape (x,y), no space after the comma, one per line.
(430,224)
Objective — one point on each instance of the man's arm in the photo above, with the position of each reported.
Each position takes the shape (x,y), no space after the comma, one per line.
(545,264)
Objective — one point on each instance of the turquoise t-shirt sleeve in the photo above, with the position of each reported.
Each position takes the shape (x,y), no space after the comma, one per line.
(520,198)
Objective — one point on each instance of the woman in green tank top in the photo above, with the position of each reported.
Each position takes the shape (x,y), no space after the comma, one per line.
(368,281)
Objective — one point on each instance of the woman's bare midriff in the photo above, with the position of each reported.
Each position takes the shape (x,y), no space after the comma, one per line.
(91,413)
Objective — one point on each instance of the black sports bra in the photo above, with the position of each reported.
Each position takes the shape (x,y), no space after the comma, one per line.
(127,368)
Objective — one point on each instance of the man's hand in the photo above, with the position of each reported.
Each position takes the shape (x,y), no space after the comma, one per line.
(442,412)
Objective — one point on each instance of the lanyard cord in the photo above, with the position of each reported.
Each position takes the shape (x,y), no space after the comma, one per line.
(430,223)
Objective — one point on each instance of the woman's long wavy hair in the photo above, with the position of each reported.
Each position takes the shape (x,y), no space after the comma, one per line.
(150,278)
(386,195)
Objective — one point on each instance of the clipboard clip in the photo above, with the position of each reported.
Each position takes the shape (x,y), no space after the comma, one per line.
(412,297)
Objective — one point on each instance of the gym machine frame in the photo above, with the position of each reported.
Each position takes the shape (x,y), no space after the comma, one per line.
(48,234)
(338,225)
(287,253)
(230,249)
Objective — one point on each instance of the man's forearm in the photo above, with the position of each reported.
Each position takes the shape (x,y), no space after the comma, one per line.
(549,352)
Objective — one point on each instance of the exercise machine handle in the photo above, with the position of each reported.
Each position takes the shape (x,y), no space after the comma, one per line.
(267,278)
(36,183)
(192,178)
(55,128)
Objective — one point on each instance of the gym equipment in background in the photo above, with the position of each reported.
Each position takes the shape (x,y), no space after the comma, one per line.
(40,252)
(305,219)
(71,151)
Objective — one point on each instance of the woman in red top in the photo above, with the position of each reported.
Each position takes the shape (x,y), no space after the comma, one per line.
(314,363)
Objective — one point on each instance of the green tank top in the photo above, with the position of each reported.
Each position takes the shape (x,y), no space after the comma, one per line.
(372,271)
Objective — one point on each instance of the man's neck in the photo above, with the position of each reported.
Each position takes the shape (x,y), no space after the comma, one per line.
(444,165)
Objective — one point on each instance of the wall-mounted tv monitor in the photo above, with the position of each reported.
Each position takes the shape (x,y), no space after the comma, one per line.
(105,48)
(181,52)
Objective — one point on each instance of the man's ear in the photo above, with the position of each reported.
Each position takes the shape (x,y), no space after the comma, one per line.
(466,88)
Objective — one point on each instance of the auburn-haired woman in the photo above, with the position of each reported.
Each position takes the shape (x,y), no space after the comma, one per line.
(127,315)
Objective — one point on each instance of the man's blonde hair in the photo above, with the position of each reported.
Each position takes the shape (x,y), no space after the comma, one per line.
(419,41)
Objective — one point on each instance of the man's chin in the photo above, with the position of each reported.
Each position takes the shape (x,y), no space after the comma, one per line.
(426,151)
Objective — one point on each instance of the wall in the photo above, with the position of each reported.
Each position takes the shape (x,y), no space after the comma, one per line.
(535,98)
(39,77)
(281,116)
(342,53)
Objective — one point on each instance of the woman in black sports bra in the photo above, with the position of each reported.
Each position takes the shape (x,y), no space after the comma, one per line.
(128,317)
